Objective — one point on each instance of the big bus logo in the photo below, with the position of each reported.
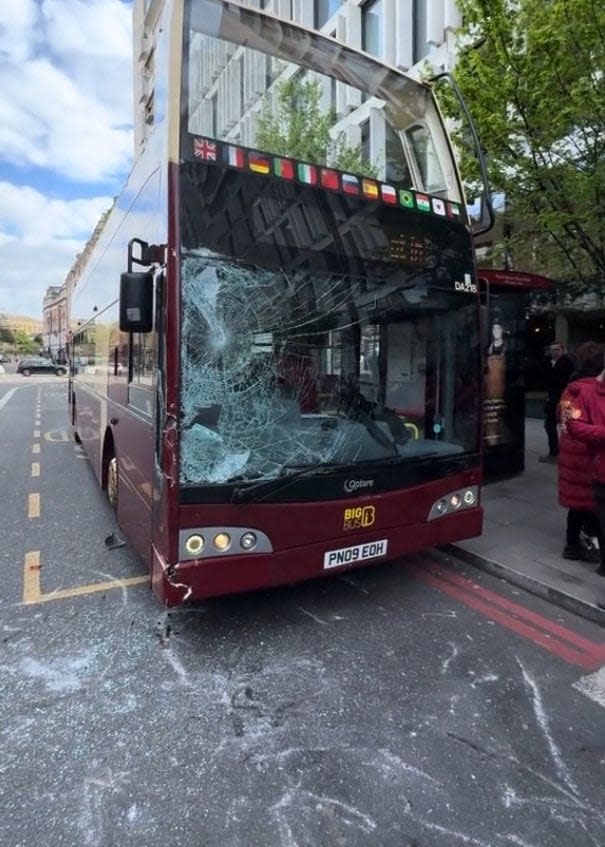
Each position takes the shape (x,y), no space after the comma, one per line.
(358,517)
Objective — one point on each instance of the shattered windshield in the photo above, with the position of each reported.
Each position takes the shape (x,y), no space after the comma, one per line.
(328,309)
(286,370)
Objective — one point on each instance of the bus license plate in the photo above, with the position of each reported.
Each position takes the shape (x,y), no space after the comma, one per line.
(360,553)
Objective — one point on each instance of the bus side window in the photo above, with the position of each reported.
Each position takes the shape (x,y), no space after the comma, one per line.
(140,390)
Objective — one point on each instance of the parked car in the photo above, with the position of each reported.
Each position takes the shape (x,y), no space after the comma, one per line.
(38,365)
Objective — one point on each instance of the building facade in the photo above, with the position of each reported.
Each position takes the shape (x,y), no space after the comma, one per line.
(235,88)
(55,324)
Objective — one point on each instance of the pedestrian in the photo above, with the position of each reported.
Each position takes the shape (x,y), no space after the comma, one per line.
(557,376)
(574,465)
(584,420)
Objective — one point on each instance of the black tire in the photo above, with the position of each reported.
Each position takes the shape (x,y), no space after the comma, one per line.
(74,424)
(60,371)
(26,372)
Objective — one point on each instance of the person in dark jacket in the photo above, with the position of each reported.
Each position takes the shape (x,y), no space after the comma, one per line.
(584,421)
(574,465)
(557,376)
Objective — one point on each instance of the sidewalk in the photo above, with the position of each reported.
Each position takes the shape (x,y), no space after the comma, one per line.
(524,534)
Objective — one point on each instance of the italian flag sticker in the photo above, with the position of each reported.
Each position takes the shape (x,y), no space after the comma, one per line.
(423,203)
(308,174)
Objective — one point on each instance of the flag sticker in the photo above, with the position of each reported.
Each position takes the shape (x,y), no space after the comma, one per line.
(389,195)
(438,206)
(234,156)
(350,184)
(284,168)
(329,179)
(204,149)
(406,198)
(307,173)
(369,188)
(423,202)
(453,210)
(258,164)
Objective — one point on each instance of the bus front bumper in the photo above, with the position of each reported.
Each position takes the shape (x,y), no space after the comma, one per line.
(199,579)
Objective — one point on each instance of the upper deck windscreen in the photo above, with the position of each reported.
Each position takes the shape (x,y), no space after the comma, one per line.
(267,85)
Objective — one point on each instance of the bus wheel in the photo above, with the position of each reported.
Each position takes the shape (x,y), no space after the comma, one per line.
(112,482)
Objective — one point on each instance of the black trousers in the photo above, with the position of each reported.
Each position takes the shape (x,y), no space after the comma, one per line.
(550,425)
(598,489)
(578,520)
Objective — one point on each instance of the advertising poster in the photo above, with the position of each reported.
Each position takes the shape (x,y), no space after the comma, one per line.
(504,390)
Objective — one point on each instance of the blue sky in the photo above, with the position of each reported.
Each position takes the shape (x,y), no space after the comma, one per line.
(65,135)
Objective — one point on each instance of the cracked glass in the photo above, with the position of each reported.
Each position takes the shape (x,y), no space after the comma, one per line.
(319,330)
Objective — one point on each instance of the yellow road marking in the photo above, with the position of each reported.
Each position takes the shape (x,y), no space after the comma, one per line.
(31,577)
(36,433)
(82,590)
(35,468)
(36,448)
(33,508)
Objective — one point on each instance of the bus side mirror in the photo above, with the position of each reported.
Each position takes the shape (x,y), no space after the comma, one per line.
(136,301)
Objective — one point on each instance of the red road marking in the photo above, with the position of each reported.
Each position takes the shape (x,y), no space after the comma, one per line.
(553,637)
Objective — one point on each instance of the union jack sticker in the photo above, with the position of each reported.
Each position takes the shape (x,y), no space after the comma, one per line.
(204,149)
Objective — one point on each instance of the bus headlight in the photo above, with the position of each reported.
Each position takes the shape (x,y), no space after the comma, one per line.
(222,541)
(248,541)
(455,501)
(194,544)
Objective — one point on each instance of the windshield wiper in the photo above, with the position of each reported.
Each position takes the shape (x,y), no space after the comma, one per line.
(291,474)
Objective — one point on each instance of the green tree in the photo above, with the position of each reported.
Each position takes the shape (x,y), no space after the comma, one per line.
(533,76)
(6,335)
(24,343)
(38,340)
(300,129)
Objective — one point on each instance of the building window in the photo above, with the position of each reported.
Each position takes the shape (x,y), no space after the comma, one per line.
(396,167)
(242,80)
(214,107)
(419,24)
(373,28)
(324,9)
(365,140)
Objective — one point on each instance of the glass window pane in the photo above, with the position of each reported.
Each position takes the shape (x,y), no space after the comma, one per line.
(324,9)
(373,22)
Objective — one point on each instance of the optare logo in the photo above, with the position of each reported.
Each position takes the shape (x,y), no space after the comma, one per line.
(352,485)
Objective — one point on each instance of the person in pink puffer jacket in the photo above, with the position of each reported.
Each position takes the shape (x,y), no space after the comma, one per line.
(574,462)
(584,420)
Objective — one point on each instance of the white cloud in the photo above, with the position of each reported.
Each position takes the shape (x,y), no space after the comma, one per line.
(69,107)
(65,113)
(39,240)
(93,27)
(17,21)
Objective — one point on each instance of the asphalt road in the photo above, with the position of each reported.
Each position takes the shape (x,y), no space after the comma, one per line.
(419,703)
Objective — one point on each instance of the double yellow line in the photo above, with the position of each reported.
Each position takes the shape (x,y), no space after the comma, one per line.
(32,592)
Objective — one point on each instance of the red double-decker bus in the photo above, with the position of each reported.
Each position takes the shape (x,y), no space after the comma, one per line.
(276,364)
